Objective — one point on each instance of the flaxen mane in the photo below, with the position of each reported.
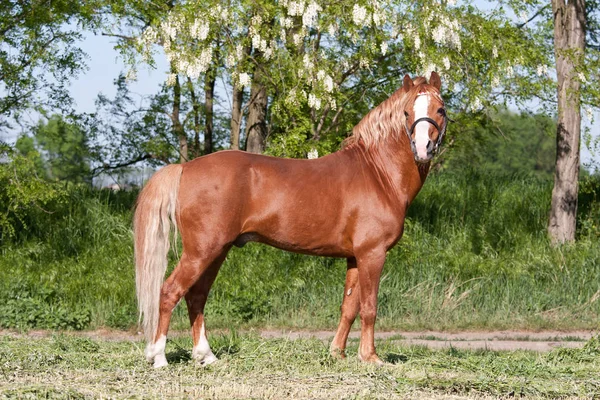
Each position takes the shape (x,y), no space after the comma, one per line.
(387,118)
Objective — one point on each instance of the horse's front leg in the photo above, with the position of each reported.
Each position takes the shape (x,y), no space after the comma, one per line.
(369,265)
(349,310)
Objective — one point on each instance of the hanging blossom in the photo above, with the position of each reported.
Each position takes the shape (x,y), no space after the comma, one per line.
(378,18)
(199,30)
(332,30)
(582,77)
(429,69)
(244,79)
(542,70)
(510,72)
(131,75)
(312,154)
(589,113)
(447,33)
(328,84)
(359,15)
(476,105)
(314,102)
(384,48)
(309,19)
(446,62)
(494,52)
(495,82)
(295,8)
(417,42)
(171,79)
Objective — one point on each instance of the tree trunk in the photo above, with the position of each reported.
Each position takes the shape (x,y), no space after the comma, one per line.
(209,91)
(178,130)
(236,117)
(196,114)
(569,42)
(256,123)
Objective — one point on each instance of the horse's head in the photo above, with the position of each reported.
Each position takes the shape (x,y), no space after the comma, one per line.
(424,116)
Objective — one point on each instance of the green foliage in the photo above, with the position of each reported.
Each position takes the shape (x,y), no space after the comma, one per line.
(23,193)
(24,306)
(38,55)
(65,146)
(474,255)
(503,143)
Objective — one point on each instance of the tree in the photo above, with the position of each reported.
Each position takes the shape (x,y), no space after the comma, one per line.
(38,53)
(65,147)
(569,48)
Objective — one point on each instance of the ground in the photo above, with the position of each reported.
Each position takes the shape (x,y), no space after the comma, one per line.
(275,364)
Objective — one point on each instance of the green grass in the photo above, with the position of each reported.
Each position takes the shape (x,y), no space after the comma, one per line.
(474,256)
(250,367)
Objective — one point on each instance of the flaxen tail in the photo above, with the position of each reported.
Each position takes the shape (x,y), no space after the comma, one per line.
(154,215)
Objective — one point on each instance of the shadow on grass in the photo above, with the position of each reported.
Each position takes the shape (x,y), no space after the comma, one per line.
(395,358)
(179,356)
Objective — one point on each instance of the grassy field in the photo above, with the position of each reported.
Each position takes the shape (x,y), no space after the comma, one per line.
(64,366)
(474,256)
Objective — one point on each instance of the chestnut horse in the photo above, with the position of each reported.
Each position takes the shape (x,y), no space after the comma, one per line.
(350,204)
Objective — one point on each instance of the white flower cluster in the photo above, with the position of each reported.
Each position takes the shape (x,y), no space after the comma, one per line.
(447,33)
(326,80)
(384,48)
(312,154)
(494,52)
(429,69)
(582,77)
(360,16)
(309,18)
(476,105)
(171,79)
(510,72)
(542,70)
(295,8)
(332,30)
(314,102)
(417,42)
(257,41)
(589,113)
(199,29)
(244,79)
(131,75)
(495,82)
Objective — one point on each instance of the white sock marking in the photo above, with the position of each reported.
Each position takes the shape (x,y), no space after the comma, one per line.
(156,352)
(422,128)
(202,351)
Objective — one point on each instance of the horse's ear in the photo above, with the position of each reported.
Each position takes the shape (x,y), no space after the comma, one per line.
(407,83)
(435,81)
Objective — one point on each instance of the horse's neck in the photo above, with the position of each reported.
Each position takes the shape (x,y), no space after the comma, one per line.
(394,165)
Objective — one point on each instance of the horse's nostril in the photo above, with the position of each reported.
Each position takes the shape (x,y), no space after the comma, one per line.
(430,146)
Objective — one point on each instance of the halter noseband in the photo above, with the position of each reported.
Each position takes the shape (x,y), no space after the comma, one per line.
(441,132)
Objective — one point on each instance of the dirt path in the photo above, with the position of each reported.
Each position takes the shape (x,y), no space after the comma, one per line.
(498,340)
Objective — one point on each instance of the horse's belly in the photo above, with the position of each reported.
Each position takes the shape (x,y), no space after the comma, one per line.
(310,247)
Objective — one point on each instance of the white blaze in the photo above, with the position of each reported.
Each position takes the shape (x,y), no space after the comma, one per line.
(422,128)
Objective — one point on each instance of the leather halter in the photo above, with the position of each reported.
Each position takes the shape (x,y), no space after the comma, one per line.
(441,132)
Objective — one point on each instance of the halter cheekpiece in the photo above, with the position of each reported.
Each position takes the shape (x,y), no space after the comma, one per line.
(441,130)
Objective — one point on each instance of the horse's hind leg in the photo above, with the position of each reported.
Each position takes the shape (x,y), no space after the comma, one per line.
(350,307)
(185,275)
(196,299)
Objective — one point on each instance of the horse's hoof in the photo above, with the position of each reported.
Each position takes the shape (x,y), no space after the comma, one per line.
(338,354)
(206,359)
(372,359)
(160,361)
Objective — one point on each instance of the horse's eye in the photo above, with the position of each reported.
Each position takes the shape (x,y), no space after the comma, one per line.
(442,111)
(406,114)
